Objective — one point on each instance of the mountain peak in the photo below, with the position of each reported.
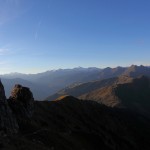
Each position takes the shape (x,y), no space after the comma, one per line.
(135,71)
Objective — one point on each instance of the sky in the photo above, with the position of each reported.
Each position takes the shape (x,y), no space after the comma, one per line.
(40,35)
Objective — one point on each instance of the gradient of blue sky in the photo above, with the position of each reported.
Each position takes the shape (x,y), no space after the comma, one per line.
(39,35)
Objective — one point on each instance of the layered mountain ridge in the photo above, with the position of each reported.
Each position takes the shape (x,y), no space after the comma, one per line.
(123,91)
(51,82)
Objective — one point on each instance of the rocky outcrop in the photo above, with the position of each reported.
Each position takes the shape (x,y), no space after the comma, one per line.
(8,123)
(15,110)
(21,101)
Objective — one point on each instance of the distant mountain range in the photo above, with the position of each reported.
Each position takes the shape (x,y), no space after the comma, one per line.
(50,82)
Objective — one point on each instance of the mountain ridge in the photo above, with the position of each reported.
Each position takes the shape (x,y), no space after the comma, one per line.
(53,81)
(121,92)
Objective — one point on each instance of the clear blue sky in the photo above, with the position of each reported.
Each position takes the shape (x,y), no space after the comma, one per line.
(39,35)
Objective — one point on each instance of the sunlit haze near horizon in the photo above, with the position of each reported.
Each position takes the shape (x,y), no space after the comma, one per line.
(40,35)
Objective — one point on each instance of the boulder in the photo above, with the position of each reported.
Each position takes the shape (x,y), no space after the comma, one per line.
(22,101)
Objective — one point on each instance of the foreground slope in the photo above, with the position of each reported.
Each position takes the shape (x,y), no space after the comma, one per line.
(71,124)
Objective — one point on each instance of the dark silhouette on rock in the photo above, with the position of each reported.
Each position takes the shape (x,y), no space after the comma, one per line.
(8,123)
(22,101)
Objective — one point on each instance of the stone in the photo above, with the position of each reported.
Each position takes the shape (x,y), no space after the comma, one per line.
(22,101)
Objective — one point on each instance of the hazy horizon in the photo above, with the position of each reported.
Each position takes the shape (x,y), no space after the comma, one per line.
(78,67)
(36,36)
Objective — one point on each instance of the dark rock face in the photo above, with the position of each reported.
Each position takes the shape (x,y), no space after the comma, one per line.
(8,123)
(21,101)
(2,93)
(17,108)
